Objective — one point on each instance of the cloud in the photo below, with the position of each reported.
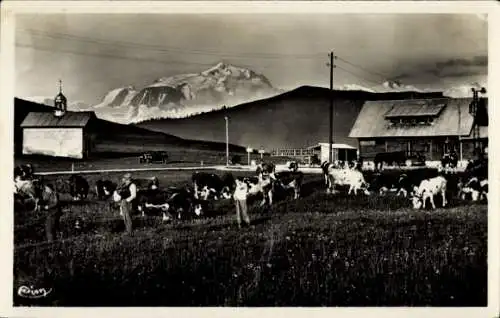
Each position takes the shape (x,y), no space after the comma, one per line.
(449,68)
(474,61)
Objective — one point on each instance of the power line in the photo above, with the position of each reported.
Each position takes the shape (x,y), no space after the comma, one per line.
(383,76)
(167,49)
(365,80)
(112,56)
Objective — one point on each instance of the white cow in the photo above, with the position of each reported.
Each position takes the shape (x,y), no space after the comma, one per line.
(353,178)
(427,190)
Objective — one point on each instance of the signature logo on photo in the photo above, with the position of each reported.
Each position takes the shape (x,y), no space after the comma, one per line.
(31,292)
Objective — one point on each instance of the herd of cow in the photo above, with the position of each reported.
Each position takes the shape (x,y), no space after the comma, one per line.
(419,186)
(183,202)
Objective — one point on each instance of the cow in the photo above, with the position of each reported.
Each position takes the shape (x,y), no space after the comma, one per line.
(104,189)
(205,184)
(24,172)
(152,201)
(178,201)
(326,167)
(476,188)
(427,189)
(266,169)
(79,187)
(477,168)
(449,160)
(397,157)
(382,183)
(353,178)
(154,183)
(290,180)
(261,185)
(28,190)
(293,165)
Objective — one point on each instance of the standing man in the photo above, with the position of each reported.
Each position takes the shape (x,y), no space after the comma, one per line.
(240,200)
(128,202)
(50,204)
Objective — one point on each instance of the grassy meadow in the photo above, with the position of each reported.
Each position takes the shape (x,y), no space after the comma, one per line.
(320,250)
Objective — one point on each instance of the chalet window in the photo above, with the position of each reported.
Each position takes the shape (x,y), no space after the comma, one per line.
(367,143)
(427,147)
(414,113)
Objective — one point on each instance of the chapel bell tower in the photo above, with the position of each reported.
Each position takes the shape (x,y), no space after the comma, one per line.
(60,102)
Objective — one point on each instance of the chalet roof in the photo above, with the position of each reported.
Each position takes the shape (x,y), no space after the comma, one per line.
(483,133)
(48,119)
(453,119)
(334,146)
(422,107)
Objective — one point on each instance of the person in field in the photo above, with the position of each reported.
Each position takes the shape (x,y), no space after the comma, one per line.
(50,203)
(128,193)
(240,200)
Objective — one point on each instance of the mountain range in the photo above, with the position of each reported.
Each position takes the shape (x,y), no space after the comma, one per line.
(185,94)
(222,85)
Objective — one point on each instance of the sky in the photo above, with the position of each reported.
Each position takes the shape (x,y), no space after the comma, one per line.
(96,53)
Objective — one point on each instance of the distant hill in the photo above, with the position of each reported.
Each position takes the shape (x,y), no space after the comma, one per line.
(118,138)
(297,118)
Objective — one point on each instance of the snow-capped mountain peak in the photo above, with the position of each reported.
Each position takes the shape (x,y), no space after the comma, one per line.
(463,91)
(118,97)
(185,94)
(355,87)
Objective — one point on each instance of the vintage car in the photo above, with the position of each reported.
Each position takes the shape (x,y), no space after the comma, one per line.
(153,156)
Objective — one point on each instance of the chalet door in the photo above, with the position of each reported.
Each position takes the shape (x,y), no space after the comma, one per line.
(447,147)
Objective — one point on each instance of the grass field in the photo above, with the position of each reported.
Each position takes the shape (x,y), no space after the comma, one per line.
(317,251)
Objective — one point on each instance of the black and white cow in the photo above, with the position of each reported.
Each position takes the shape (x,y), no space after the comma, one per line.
(326,167)
(382,183)
(408,180)
(173,201)
(28,191)
(104,189)
(287,180)
(475,189)
(154,183)
(266,169)
(293,165)
(449,160)
(261,185)
(79,187)
(208,185)
(24,172)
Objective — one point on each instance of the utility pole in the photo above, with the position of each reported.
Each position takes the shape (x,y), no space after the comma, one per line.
(474,112)
(227,140)
(330,139)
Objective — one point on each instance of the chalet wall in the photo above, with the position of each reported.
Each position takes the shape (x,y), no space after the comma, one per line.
(59,142)
(432,148)
(369,148)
